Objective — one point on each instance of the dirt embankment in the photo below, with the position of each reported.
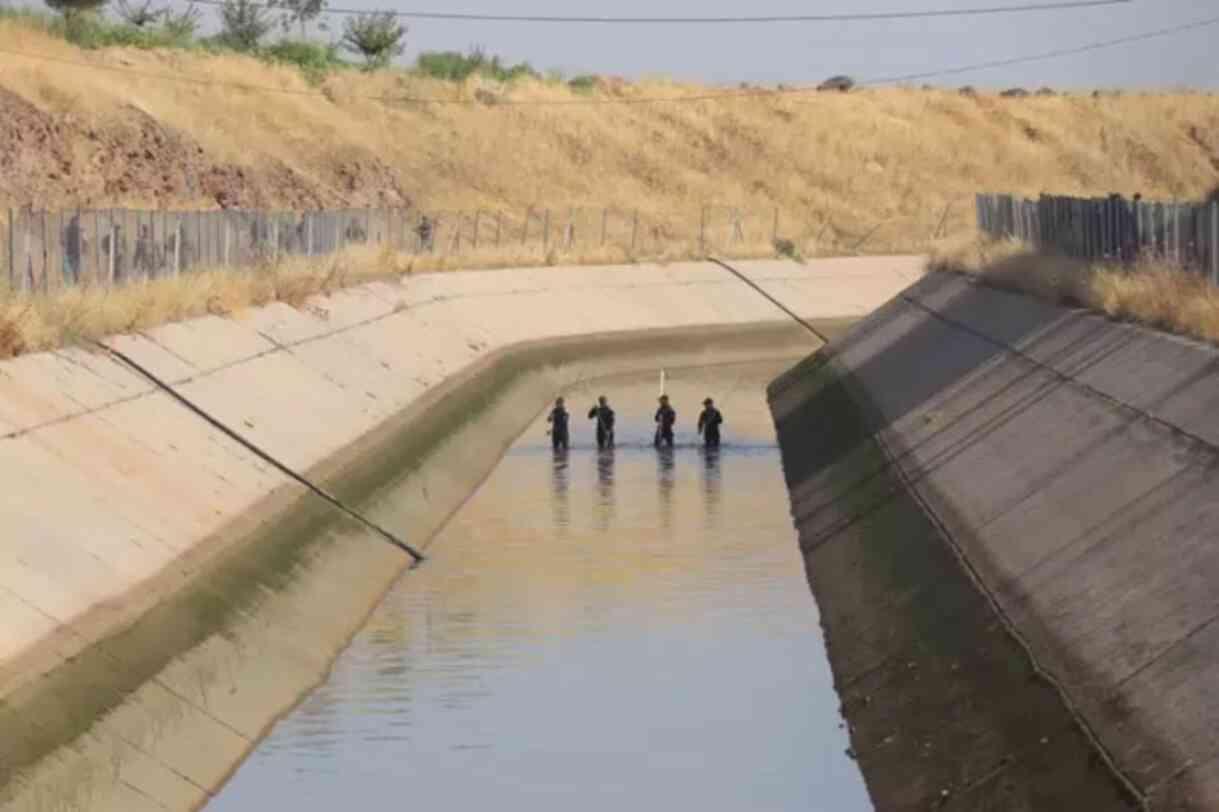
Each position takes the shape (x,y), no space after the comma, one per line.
(883,169)
(50,159)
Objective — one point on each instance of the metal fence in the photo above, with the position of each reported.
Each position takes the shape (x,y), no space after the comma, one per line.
(1110,228)
(46,251)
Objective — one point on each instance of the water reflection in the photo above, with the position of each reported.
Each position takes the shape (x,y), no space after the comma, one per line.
(605,507)
(665,474)
(559,481)
(712,484)
(593,631)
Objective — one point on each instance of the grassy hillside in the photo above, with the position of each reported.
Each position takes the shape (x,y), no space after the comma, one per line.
(116,131)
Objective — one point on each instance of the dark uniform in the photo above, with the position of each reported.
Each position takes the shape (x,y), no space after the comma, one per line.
(709,424)
(604,416)
(665,418)
(558,419)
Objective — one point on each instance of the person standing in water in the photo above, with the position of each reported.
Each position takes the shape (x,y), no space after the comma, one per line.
(557,419)
(604,416)
(709,424)
(665,418)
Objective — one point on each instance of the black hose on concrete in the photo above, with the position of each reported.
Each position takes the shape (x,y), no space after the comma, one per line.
(262,455)
(770,298)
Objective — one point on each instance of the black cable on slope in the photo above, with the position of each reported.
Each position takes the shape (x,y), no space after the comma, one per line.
(823,339)
(449,16)
(258,452)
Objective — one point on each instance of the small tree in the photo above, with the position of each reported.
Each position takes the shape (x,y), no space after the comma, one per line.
(301,12)
(139,14)
(243,23)
(72,9)
(378,37)
(181,25)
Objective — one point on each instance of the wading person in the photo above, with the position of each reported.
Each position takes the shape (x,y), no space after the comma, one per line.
(709,424)
(604,416)
(558,425)
(665,418)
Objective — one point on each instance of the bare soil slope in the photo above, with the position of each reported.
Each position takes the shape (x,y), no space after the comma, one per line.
(178,128)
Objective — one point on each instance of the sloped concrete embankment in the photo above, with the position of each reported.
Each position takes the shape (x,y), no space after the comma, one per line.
(165,594)
(1008,512)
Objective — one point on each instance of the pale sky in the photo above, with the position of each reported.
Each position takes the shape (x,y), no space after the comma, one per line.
(800,53)
(804,52)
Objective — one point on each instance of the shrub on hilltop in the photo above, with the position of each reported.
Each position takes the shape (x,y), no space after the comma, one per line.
(457,67)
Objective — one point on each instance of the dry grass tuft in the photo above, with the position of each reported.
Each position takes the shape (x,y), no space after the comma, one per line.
(31,323)
(1152,293)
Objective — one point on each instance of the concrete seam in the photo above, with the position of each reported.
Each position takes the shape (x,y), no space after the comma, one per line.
(157,681)
(266,457)
(971,571)
(278,346)
(1010,627)
(1088,388)
(1072,709)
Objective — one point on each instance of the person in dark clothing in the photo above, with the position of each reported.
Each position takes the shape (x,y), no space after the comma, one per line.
(604,416)
(709,424)
(665,418)
(557,419)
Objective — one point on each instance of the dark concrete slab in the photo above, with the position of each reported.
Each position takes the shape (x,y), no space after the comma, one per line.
(1070,462)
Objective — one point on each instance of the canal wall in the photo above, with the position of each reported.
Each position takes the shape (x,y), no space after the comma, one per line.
(1008,511)
(166,593)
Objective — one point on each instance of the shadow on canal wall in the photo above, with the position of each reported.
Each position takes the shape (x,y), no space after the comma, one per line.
(167,595)
(1007,513)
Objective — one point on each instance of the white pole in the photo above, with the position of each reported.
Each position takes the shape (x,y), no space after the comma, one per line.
(662,381)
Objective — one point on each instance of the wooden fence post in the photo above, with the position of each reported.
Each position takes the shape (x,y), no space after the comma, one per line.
(774,232)
(1215,243)
(604,224)
(224,222)
(571,228)
(177,246)
(499,227)
(546,230)
(634,230)
(46,271)
(110,259)
(478,213)
(97,244)
(12,249)
(702,231)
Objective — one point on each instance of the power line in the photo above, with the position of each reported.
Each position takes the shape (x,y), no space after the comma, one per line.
(794,18)
(640,100)
(1046,55)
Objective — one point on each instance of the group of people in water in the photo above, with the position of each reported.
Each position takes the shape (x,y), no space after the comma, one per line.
(709,422)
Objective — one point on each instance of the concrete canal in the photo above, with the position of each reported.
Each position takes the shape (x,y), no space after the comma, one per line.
(592,630)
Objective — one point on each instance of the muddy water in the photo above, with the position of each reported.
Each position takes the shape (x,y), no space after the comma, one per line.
(594,630)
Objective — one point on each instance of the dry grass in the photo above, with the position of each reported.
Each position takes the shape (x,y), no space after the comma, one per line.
(40,322)
(1150,292)
(837,165)
(30,323)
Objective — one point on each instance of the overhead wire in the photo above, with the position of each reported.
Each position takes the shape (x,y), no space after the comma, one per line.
(639,100)
(449,16)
